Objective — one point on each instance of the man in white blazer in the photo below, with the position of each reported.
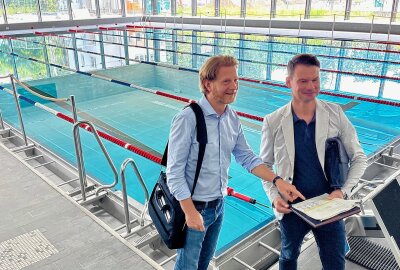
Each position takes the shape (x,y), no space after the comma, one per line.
(293,140)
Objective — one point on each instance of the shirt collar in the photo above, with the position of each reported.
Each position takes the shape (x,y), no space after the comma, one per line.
(297,119)
(208,109)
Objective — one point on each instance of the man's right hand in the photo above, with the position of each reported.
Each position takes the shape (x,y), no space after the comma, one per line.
(288,191)
(195,221)
(281,206)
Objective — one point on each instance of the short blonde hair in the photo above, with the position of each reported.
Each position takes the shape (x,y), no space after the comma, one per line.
(211,67)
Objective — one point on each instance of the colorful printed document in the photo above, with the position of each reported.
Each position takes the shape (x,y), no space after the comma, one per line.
(321,208)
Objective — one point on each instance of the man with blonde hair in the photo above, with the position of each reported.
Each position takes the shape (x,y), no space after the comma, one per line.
(219,82)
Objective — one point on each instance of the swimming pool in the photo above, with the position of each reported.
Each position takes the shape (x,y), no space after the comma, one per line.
(144,118)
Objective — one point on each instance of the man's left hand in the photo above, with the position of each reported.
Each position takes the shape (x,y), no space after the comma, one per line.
(336,194)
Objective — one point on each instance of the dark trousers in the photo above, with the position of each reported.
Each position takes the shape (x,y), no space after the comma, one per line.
(330,239)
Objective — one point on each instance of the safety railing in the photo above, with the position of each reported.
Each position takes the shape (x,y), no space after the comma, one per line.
(125,195)
(79,156)
(15,94)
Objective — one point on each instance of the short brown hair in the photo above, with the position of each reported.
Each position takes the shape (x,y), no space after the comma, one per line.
(211,67)
(302,59)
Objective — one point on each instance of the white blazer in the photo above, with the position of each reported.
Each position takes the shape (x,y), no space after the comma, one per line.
(277,143)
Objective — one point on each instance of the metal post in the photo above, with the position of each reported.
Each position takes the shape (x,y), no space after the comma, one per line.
(225,22)
(14,63)
(182,25)
(126,47)
(244,23)
(390,28)
(97,5)
(200,22)
(221,21)
(21,123)
(347,10)
(70,14)
(370,31)
(243,7)
(46,57)
(102,56)
(1,121)
(270,22)
(123,8)
(78,151)
(3,3)
(39,11)
(75,51)
(298,33)
(333,27)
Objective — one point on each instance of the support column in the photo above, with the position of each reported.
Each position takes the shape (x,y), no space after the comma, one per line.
(14,64)
(384,70)
(194,49)
(347,10)
(307,10)
(75,51)
(340,65)
(103,58)
(126,47)
(46,57)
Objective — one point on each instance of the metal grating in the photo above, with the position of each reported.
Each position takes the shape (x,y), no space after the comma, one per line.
(25,250)
(371,255)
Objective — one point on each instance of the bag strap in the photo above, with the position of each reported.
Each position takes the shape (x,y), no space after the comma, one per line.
(201,137)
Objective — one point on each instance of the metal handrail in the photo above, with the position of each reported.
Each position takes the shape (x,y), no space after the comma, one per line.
(79,156)
(125,196)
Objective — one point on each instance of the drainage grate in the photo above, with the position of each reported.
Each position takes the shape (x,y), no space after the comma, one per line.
(371,255)
(25,250)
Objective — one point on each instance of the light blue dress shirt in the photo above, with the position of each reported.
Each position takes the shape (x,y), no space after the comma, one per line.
(225,137)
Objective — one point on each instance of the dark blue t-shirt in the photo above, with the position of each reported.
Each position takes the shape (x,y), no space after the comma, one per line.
(308,175)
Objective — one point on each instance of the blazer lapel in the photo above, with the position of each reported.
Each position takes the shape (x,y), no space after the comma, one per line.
(288,132)
(321,131)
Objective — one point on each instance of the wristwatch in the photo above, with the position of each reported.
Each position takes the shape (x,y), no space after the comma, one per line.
(276,179)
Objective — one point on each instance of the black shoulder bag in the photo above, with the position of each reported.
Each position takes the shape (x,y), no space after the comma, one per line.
(336,165)
(164,209)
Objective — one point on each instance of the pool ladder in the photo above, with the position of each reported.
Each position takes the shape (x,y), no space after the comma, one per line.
(88,194)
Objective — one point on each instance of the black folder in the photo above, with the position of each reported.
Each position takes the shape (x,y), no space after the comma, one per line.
(318,223)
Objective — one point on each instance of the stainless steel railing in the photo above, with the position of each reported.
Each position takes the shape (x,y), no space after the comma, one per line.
(80,161)
(125,196)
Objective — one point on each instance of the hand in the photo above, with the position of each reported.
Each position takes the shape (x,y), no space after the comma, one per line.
(281,206)
(288,191)
(194,220)
(336,194)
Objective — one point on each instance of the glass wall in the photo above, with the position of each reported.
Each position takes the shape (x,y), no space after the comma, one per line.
(184,7)
(258,8)
(164,7)
(88,57)
(206,8)
(110,8)
(325,10)
(133,7)
(290,10)
(21,11)
(82,9)
(380,9)
(54,10)
(230,8)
